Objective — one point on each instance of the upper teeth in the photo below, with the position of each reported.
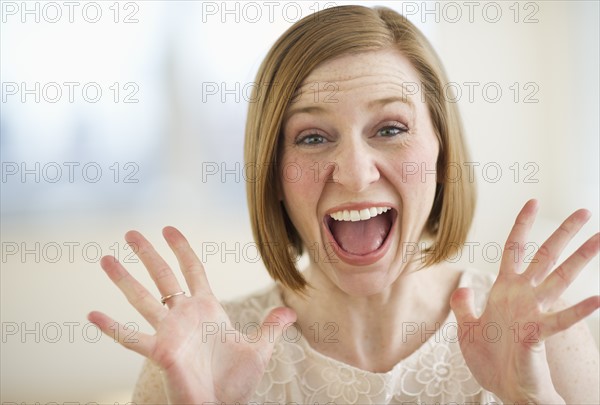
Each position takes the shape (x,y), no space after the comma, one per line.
(358,215)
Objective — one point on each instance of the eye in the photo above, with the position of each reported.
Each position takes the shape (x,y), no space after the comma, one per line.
(390,131)
(311,139)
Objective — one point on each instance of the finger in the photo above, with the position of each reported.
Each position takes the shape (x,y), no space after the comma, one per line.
(131,339)
(136,294)
(547,255)
(159,270)
(514,248)
(190,264)
(562,320)
(462,303)
(272,328)
(558,281)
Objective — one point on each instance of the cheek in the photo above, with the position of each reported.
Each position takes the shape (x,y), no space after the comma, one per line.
(415,171)
(302,187)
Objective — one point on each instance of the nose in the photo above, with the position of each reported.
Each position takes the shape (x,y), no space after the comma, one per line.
(355,164)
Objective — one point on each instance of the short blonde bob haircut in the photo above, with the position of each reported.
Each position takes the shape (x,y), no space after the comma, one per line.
(311,41)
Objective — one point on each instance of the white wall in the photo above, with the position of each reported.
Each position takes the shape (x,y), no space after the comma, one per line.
(170,53)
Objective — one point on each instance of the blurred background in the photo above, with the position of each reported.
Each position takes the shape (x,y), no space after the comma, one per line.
(130,115)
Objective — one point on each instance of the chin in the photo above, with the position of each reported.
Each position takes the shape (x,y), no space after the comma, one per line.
(366,280)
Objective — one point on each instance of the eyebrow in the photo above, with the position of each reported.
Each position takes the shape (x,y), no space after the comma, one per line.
(390,100)
(305,110)
(371,104)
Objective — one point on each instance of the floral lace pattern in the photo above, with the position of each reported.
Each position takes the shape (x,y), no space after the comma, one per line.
(435,373)
(337,385)
(439,375)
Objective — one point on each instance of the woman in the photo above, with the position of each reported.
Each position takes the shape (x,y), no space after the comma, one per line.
(353,98)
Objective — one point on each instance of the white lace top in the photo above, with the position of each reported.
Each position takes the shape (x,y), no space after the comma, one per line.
(434,374)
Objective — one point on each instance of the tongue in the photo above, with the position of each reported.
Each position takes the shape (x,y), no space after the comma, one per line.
(361,237)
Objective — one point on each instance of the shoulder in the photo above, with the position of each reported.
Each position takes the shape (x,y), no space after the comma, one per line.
(253,307)
(480,282)
(149,387)
(574,362)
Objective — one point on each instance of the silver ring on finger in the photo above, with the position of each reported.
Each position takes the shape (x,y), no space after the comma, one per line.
(163,300)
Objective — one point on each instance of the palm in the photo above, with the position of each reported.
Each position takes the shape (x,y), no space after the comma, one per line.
(507,334)
(504,347)
(202,357)
(187,343)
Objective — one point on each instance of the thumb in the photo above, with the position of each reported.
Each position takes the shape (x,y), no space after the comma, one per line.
(273,327)
(462,303)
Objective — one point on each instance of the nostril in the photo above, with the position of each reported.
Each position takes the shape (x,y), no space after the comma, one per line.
(355,166)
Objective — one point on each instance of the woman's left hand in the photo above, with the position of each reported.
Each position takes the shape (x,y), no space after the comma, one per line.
(504,348)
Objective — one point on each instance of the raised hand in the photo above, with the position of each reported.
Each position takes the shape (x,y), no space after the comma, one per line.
(196,366)
(504,348)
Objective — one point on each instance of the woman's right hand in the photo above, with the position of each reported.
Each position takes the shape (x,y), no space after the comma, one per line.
(199,362)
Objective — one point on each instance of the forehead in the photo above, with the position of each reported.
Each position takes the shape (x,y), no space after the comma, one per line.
(362,80)
(381,70)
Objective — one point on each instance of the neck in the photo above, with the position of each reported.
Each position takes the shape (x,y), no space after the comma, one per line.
(374,332)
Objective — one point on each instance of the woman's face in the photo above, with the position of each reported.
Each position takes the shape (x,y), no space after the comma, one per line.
(358,168)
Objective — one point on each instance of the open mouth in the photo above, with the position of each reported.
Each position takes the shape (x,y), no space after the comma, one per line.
(361,232)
